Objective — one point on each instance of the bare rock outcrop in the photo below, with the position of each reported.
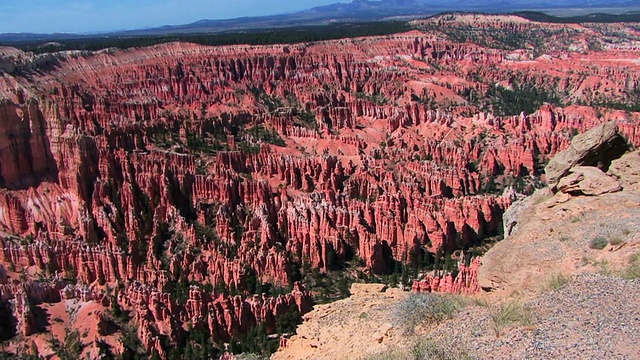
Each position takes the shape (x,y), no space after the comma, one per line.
(627,169)
(548,234)
(596,147)
(587,180)
(513,215)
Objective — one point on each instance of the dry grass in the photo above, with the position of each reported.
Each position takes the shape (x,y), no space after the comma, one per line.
(423,350)
(555,282)
(616,240)
(510,314)
(633,269)
(603,268)
(482,302)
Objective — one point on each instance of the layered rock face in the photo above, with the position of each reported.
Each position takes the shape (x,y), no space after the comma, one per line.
(187,175)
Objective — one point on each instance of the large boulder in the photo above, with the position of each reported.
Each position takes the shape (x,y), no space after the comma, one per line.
(597,147)
(588,180)
(627,169)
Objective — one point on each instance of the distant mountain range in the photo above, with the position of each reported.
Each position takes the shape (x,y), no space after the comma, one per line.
(358,10)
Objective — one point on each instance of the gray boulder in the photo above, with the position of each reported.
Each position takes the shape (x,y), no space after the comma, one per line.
(597,147)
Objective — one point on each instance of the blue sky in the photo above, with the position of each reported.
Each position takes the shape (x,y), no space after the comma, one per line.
(47,16)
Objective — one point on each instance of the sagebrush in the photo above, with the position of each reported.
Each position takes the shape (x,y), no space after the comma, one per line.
(425,309)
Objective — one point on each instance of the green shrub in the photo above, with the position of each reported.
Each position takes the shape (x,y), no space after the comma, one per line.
(255,341)
(71,348)
(425,309)
(598,243)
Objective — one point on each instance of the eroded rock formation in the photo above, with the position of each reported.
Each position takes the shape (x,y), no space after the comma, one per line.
(187,175)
